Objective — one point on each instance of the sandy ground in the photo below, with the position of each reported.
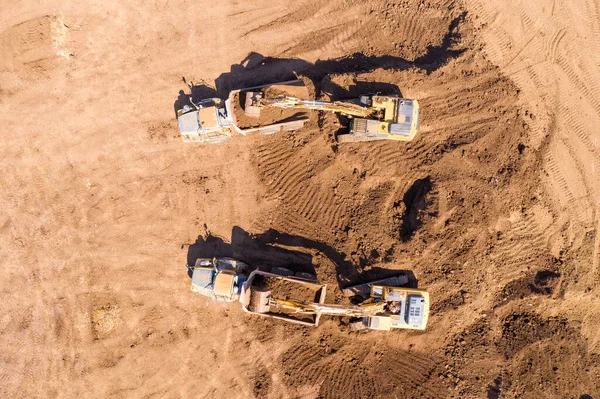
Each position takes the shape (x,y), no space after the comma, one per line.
(495,206)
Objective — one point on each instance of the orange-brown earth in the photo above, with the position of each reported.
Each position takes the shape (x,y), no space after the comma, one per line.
(494,206)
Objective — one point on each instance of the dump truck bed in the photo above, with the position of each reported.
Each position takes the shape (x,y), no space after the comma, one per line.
(255,297)
(242,115)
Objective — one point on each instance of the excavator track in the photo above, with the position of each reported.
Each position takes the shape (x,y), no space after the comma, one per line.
(350,138)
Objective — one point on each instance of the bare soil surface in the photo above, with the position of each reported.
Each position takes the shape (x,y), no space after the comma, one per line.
(495,206)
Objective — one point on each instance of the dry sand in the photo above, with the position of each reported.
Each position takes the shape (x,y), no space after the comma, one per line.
(495,206)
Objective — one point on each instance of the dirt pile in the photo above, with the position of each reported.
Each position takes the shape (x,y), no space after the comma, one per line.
(286,290)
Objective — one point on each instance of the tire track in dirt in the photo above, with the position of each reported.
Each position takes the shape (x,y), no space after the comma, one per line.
(313,28)
(347,382)
(305,11)
(568,86)
(523,245)
(572,119)
(342,367)
(294,177)
(568,182)
(596,250)
(331,40)
(390,27)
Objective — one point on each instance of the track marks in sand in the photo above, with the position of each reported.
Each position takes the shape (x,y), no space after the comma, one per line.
(523,244)
(409,374)
(349,367)
(34,44)
(560,80)
(312,28)
(295,178)
(551,46)
(345,381)
(566,181)
(303,364)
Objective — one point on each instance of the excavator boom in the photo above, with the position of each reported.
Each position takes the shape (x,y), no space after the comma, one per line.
(373,117)
(362,310)
(340,107)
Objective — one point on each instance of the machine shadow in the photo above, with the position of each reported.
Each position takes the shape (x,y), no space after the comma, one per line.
(250,249)
(268,249)
(256,69)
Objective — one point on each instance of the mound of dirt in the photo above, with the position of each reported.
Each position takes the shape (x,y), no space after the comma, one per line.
(522,329)
(286,290)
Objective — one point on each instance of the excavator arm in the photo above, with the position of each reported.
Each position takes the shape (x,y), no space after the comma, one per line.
(365,309)
(340,107)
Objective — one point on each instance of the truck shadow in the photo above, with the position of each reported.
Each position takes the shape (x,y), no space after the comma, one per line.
(273,248)
(256,69)
(250,249)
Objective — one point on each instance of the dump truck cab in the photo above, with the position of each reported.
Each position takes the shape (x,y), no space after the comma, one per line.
(219,279)
(206,122)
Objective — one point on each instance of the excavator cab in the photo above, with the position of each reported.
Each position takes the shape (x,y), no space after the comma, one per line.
(406,308)
(397,119)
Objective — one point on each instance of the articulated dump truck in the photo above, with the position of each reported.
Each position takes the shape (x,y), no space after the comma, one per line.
(300,298)
(254,110)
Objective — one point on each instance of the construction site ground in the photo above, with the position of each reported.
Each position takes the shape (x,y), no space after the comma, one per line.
(494,207)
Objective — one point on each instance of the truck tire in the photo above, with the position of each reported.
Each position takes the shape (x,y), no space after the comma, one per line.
(306,276)
(282,271)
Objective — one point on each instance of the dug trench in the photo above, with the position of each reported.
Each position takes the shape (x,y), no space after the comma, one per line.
(438,206)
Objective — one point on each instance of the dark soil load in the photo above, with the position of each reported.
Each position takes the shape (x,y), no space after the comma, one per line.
(287,290)
(268,116)
(283,289)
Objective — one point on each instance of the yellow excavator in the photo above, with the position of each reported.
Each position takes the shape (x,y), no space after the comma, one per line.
(372,117)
